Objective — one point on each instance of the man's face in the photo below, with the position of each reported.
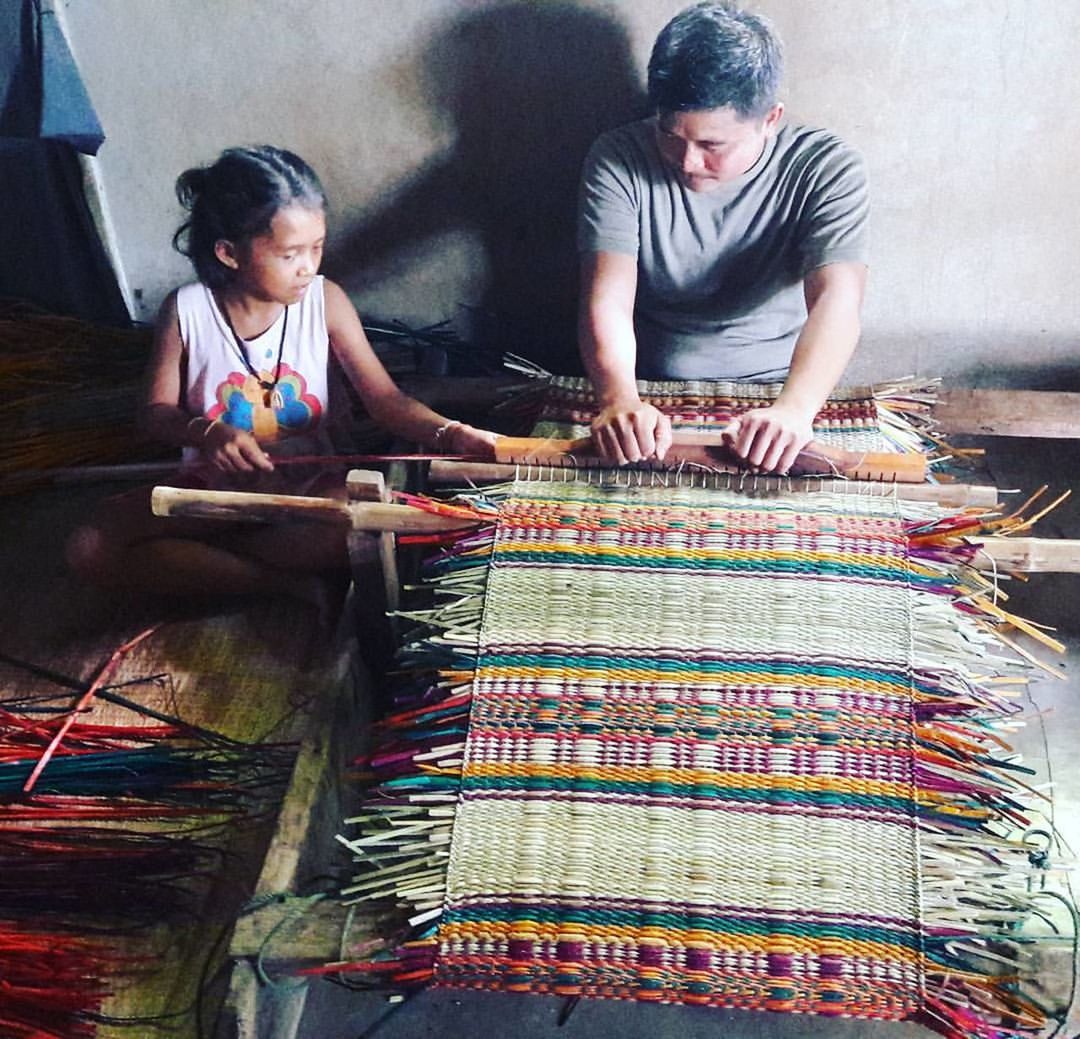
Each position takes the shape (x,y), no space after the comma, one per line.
(713,146)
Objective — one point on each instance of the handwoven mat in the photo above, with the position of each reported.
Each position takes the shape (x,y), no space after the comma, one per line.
(689,774)
(693,747)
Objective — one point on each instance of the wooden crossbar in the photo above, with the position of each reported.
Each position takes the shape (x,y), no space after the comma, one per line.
(709,450)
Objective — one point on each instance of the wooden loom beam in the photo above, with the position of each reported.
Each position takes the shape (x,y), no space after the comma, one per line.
(959,495)
(1029,555)
(709,450)
(247,507)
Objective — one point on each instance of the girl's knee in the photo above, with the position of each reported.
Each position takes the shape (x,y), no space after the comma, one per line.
(87,553)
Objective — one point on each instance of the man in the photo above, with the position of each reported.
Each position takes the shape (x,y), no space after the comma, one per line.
(717,244)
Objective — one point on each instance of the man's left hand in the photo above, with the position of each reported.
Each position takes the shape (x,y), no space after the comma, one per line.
(770,439)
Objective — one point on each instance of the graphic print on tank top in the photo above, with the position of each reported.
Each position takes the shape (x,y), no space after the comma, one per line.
(241,403)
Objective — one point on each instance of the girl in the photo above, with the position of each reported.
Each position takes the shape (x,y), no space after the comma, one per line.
(238,377)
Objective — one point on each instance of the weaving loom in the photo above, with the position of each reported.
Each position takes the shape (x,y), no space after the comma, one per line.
(718,749)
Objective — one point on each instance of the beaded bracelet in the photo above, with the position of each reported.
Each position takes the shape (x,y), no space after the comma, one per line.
(210,423)
(442,431)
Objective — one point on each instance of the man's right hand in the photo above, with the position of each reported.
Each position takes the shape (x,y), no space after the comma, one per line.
(631,432)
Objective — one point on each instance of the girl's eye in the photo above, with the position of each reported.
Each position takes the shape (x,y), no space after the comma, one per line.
(288,256)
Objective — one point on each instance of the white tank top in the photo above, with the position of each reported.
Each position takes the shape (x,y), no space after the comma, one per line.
(220,385)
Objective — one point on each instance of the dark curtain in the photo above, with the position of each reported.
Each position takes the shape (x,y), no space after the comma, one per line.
(50,253)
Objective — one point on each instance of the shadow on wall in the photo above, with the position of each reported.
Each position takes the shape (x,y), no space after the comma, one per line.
(1048,375)
(526,89)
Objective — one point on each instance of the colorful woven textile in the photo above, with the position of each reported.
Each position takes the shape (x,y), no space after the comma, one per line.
(703,748)
(857,419)
(695,799)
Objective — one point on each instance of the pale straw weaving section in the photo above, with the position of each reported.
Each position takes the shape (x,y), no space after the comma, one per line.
(689,774)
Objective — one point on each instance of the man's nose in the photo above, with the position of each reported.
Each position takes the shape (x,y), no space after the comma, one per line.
(691,160)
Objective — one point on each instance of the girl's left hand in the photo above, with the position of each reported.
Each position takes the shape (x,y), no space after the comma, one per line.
(463,439)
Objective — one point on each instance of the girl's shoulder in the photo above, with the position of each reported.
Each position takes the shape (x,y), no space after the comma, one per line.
(330,288)
(192,294)
(335,300)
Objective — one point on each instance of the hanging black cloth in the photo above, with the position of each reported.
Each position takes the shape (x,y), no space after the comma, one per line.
(50,253)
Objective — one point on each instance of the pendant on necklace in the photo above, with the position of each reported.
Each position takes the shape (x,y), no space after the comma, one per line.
(277,401)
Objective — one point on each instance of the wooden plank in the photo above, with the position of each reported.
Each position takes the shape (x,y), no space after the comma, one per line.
(302,847)
(1009,413)
(1030,555)
(287,936)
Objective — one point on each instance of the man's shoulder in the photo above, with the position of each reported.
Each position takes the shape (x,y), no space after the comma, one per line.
(626,140)
(813,146)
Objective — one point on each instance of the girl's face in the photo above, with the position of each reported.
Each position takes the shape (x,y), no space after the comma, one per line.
(278,266)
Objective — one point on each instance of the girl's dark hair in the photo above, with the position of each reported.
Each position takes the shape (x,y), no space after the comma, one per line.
(235,199)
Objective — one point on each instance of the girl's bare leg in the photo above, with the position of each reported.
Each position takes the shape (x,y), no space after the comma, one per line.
(126,547)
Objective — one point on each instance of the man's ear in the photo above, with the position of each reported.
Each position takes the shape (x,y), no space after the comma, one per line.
(225,252)
(773,117)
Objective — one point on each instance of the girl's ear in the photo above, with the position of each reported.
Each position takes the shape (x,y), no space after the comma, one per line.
(226,253)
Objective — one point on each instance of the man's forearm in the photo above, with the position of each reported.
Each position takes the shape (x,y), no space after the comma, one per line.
(609,351)
(606,326)
(826,343)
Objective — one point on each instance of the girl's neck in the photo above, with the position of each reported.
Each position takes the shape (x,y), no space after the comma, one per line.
(248,315)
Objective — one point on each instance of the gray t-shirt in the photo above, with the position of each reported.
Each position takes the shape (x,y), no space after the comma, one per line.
(719,292)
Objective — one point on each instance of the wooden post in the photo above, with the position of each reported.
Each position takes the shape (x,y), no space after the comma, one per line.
(367,485)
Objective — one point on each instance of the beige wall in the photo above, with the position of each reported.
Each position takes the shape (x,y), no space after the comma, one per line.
(448,134)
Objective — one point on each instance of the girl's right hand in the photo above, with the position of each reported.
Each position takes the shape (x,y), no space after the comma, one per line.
(234,450)
(463,439)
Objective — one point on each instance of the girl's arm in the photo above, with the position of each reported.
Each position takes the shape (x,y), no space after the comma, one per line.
(385,403)
(162,415)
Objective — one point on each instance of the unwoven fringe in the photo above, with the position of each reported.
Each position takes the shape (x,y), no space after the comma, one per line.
(977,875)
(122,820)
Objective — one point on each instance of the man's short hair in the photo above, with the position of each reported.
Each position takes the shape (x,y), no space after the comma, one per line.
(715,55)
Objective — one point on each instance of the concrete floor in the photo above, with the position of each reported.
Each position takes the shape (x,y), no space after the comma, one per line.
(1048,743)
